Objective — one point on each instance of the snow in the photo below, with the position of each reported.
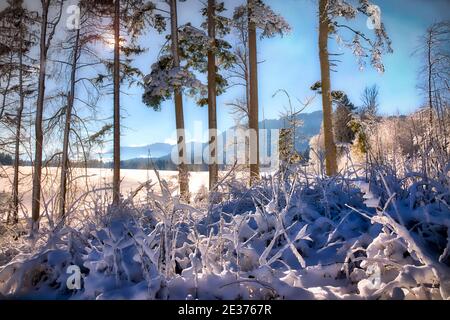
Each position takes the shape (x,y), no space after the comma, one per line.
(94,178)
(341,12)
(265,19)
(164,78)
(306,238)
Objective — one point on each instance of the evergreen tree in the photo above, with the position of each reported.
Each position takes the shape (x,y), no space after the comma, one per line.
(48,27)
(130,17)
(259,17)
(219,57)
(331,13)
(342,117)
(191,50)
(343,114)
(17,31)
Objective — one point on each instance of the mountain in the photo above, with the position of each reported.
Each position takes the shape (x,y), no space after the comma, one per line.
(310,124)
(138,156)
(155,150)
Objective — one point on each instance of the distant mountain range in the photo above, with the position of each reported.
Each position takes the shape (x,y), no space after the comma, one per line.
(160,153)
(309,126)
(155,150)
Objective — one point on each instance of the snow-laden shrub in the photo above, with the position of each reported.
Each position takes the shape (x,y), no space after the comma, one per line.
(116,256)
(294,235)
(42,274)
(411,254)
(122,262)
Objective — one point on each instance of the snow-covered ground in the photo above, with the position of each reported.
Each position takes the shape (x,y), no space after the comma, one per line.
(93,178)
(293,236)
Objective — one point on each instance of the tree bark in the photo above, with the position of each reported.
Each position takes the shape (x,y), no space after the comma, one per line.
(183,175)
(253,103)
(430,75)
(36,195)
(330,147)
(212,102)
(67,128)
(116,157)
(15,191)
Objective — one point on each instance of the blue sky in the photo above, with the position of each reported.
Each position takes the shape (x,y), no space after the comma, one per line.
(291,63)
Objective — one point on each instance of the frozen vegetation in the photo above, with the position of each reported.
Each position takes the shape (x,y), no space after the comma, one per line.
(295,235)
(364,213)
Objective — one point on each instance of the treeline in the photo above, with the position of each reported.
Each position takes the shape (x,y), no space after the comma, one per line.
(138,163)
(6,159)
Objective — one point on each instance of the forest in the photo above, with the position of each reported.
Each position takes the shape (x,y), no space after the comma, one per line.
(349,202)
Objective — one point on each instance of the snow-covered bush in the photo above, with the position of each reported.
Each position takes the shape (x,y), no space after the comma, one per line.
(295,235)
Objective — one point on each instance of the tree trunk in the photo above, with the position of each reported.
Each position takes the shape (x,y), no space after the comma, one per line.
(330,147)
(430,76)
(15,191)
(183,175)
(253,103)
(65,152)
(116,174)
(212,117)
(37,173)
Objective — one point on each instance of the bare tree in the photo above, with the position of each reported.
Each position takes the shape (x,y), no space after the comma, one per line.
(434,48)
(24,17)
(16,30)
(239,74)
(239,110)
(370,101)
(67,127)
(48,29)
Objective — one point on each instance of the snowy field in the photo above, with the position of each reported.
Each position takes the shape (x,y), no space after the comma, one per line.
(93,179)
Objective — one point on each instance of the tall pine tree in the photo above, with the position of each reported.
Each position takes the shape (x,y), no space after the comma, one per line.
(331,14)
(259,17)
